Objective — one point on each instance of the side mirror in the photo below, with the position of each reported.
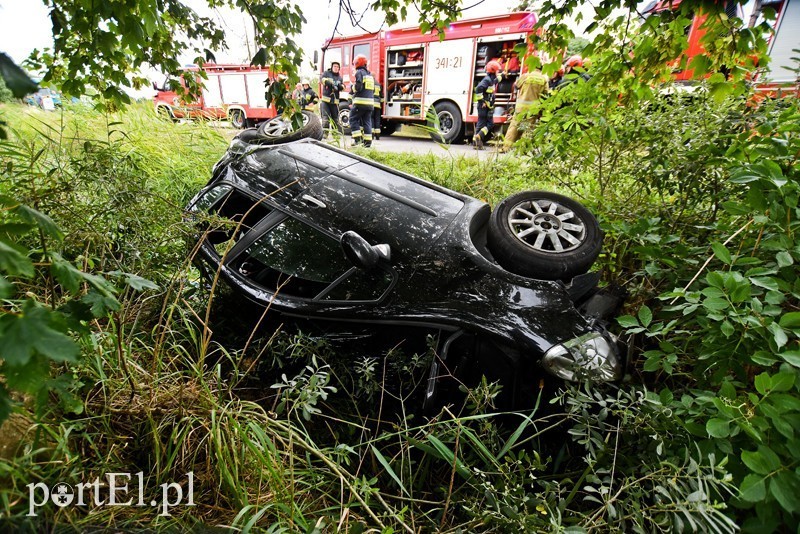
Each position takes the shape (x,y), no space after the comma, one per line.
(360,253)
(316,58)
(155,86)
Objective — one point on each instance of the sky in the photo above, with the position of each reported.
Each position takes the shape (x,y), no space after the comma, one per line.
(25,25)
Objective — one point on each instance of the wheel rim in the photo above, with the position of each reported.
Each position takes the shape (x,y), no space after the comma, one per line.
(278,126)
(344,117)
(237,119)
(446,122)
(546,226)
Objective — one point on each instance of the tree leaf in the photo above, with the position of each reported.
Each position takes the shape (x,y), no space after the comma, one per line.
(645,316)
(763,461)
(790,320)
(43,221)
(753,488)
(34,330)
(785,487)
(13,262)
(628,321)
(721,252)
(718,428)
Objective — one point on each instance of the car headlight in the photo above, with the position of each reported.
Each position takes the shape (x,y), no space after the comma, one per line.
(591,356)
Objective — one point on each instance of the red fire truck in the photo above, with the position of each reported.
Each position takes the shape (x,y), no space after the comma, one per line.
(418,72)
(233,92)
(780,79)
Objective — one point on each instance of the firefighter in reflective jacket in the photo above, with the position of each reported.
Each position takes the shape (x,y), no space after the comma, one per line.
(363,91)
(376,113)
(484,98)
(329,103)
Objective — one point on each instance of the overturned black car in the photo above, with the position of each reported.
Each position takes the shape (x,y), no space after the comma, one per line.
(316,232)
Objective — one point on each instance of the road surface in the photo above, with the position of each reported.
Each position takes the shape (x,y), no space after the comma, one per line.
(406,139)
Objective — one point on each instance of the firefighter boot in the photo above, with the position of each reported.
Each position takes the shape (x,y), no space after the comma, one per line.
(478,142)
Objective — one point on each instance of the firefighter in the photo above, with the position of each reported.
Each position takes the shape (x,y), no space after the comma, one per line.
(308,97)
(331,85)
(363,92)
(484,98)
(530,87)
(574,64)
(376,113)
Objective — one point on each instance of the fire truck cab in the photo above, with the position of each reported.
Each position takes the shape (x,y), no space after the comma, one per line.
(233,92)
(421,75)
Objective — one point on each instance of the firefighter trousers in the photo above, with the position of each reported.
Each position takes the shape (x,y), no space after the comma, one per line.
(361,124)
(329,112)
(376,123)
(485,122)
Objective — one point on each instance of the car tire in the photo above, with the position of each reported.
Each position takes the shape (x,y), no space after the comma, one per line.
(344,118)
(165,113)
(544,235)
(237,119)
(280,130)
(450,126)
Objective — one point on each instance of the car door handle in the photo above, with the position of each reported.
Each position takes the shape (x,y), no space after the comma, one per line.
(311,201)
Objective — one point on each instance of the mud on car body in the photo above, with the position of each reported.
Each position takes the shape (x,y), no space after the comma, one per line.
(320,233)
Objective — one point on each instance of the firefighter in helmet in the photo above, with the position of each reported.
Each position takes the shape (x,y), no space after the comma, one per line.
(530,87)
(484,99)
(363,91)
(307,97)
(376,113)
(329,106)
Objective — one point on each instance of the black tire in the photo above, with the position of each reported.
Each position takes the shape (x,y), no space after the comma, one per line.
(237,119)
(280,130)
(450,126)
(388,128)
(344,117)
(165,113)
(527,230)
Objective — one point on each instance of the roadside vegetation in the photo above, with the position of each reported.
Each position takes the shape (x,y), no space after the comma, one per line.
(149,372)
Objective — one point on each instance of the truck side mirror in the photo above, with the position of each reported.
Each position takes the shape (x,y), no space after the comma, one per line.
(155,86)
(316,58)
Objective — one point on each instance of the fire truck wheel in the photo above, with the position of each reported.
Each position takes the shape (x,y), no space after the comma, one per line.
(344,117)
(165,113)
(449,127)
(388,128)
(281,130)
(237,119)
(544,235)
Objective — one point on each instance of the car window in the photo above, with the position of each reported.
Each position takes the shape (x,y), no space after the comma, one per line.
(331,55)
(361,285)
(233,213)
(294,259)
(361,49)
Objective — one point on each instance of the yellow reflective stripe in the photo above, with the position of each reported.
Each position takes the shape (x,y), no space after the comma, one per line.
(369,83)
(478,96)
(357,133)
(490,90)
(367,137)
(362,101)
(326,99)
